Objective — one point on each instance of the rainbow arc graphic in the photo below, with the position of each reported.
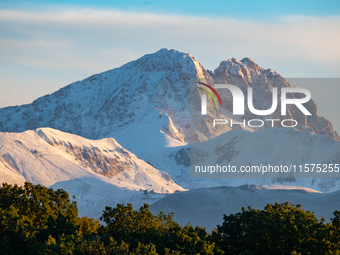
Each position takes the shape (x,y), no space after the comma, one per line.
(209,93)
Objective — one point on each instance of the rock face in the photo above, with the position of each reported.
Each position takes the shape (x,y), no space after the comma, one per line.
(108,162)
(138,111)
(144,100)
(48,156)
(144,104)
(246,73)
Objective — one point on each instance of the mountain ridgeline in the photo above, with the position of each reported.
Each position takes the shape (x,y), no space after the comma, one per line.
(125,135)
(152,93)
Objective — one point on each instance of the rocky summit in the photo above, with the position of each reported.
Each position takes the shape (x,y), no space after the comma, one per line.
(126,135)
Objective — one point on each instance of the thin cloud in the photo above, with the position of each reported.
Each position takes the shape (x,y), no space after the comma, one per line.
(76,33)
(73,44)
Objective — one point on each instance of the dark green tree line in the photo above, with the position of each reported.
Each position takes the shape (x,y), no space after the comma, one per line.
(278,229)
(38,220)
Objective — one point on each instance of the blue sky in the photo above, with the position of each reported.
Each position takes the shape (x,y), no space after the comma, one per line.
(238,9)
(46,45)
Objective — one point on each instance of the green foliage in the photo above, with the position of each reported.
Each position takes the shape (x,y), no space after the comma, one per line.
(278,229)
(30,214)
(88,227)
(38,220)
(142,227)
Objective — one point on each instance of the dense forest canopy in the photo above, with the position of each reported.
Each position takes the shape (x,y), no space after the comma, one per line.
(38,220)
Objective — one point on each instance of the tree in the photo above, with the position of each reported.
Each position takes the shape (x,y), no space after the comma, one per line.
(278,229)
(30,214)
(138,228)
(37,220)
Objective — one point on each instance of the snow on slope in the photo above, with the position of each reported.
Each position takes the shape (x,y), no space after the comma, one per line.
(47,156)
(273,146)
(9,174)
(94,194)
(144,104)
(289,187)
(143,101)
(247,74)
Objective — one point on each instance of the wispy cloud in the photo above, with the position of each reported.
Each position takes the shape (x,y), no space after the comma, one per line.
(79,42)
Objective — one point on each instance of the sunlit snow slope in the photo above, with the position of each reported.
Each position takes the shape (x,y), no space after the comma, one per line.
(144,104)
(47,156)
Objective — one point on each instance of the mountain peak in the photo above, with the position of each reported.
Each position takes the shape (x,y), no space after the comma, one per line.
(246,59)
(246,69)
(168,60)
(114,103)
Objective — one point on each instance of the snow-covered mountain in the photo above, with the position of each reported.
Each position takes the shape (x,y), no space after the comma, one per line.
(246,73)
(140,113)
(98,172)
(144,104)
(47,156)
(274,146)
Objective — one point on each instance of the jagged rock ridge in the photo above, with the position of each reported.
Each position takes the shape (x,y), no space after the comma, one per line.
(246,73)
(144,104)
